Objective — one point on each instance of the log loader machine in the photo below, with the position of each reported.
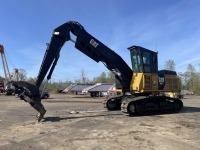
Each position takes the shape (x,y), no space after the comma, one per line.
(144,81)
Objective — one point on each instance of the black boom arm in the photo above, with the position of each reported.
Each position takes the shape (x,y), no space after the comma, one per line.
(89,46)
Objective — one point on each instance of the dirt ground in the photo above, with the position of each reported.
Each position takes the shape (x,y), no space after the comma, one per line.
(81,123)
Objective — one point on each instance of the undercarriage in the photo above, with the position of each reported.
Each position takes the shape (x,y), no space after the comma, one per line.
(135,105)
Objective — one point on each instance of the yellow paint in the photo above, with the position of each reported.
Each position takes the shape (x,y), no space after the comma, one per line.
(148,83)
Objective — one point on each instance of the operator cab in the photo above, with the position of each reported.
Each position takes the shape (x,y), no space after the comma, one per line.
(143,60)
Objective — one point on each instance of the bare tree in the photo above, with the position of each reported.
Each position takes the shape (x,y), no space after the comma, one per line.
(22,74)
(170,65)
(83,76)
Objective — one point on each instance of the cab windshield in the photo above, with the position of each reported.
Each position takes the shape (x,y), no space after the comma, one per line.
(144,60)
(136,61)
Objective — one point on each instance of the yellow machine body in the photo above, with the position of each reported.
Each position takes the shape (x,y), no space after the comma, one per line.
(149,83)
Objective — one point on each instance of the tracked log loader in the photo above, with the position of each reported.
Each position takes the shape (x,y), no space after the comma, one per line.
(144,81)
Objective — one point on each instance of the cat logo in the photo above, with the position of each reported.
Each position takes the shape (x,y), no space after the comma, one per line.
(161,82)
(94,43)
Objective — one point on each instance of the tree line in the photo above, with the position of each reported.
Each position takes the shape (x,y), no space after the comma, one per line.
(190,78)
(55,86)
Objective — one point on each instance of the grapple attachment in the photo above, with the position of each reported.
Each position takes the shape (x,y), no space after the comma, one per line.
(31,94)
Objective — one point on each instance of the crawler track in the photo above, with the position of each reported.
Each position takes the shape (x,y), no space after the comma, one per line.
(141,104)
(113,103)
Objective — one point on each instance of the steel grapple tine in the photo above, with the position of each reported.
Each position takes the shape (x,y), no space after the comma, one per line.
(31,94)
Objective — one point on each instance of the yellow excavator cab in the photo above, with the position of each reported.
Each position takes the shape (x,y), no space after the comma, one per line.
(146,76)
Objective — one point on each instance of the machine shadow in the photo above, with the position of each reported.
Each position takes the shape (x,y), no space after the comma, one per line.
(58,119)
(189,109)
(186,109)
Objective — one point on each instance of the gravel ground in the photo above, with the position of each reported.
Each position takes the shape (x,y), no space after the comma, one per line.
(81,122)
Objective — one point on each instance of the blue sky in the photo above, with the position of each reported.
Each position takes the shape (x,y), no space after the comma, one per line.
(171,27)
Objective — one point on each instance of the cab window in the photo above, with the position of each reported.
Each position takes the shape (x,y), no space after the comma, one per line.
(136,62)
(146,58)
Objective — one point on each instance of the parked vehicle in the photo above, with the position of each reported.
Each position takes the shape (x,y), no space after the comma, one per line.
(44,94)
